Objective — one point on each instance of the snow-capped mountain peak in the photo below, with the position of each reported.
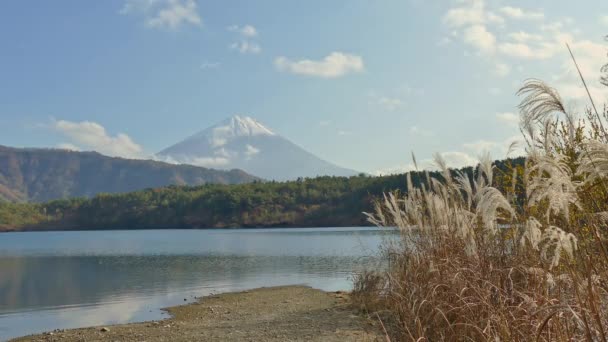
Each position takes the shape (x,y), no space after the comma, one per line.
(232,128)
(243,126)
(244,143)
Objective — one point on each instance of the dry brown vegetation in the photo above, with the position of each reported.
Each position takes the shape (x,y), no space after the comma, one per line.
(528,262)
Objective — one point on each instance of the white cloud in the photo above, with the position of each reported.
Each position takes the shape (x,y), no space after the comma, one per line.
(334,65)
(508,118)
(165,14)
(324,122)
(176,14)
(471,18)
(245,46)
(220,135)
(553,26)
(480,146)
(248,31)
(497,149)
(459,159)
(251,151)
(470,14)
(211,162)
(520,50)
(502,69)
(223,152)
(590,56)
(604,20)
(221,159)
(573,91)
(453,159)
(341,132)
(471,23)
(91,135)
(524,37)
(494,18)
(518,13)
(543,49)
(479,37)
(68,146)
(394,170)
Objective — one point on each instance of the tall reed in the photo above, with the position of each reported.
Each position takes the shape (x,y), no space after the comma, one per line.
(503,257)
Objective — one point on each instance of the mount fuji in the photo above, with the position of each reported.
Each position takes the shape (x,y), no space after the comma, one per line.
(241,142)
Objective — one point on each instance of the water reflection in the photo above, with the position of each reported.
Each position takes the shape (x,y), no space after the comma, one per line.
(72,279)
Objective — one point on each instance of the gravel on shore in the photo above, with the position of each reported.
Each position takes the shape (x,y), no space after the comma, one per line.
(290,313)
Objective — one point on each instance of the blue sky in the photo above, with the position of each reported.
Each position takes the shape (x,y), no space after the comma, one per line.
(359,83)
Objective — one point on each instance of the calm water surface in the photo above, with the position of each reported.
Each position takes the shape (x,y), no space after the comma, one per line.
(51,280)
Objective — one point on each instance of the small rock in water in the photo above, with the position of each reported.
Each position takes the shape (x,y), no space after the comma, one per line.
(104,329)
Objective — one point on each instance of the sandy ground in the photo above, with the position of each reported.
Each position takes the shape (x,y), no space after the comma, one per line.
(291,313)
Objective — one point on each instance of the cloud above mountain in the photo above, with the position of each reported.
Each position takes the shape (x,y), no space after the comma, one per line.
(246,43)
(334,65)
(490,32)
(164,14)
(88,135)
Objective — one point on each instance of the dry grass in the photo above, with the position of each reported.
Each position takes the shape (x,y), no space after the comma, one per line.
(520,259)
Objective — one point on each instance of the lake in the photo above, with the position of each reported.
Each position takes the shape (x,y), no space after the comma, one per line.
(58,280)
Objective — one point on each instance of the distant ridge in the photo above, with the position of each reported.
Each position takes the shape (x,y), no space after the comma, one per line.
(244,143)
(33,174)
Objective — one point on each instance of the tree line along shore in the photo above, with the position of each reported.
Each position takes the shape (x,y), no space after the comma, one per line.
(309,202)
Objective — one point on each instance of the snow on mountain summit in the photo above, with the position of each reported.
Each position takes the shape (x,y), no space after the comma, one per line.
(244,143)
(231,128)
(244,126)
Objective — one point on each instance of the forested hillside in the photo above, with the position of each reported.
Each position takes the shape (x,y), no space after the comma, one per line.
(317,202)
(46,174)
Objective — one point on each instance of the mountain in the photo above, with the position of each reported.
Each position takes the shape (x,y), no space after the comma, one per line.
(315,202)
(244,143)
(46,174)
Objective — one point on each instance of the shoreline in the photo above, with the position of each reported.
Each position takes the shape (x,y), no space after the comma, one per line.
(295,313)
(44,230)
